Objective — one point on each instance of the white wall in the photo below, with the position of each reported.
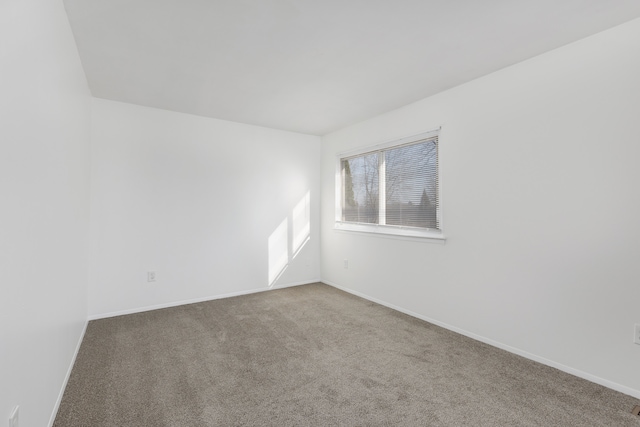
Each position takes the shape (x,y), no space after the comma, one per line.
(541,206)
(44,183)
(196,200)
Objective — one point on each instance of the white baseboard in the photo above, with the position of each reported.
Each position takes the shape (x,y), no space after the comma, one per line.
(195,300)
(66,378)
(581,374)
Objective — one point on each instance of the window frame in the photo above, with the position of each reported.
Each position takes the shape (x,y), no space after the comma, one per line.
(394,231)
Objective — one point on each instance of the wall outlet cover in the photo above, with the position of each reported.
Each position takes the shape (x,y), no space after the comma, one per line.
(636,334)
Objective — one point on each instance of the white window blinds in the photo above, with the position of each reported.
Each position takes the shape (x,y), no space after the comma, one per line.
(361,183)
(395,186)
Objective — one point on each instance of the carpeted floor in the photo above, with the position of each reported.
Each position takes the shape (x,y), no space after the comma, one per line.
(314,356)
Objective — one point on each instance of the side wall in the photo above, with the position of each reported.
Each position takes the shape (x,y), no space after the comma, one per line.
(539,170)
(214,208)
(44,183)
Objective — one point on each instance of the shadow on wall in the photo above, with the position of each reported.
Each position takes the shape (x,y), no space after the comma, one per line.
(285,246)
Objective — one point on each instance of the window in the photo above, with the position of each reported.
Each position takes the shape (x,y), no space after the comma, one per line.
(391,189)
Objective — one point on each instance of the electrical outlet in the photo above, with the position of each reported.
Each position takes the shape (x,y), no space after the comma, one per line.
(636,334)
(151,276)
(13,419)
(346,263)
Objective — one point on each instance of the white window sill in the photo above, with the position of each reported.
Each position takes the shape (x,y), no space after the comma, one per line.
(410,233)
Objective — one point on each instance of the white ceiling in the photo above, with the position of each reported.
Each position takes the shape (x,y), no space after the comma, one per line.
(314,66)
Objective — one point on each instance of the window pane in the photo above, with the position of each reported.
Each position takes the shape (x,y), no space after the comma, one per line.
(360,189)
(411,185)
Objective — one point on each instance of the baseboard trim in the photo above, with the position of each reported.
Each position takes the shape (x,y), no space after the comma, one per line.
(195,300)
(68,375)
(576,372)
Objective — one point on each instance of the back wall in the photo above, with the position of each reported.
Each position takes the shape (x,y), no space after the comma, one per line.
(214,208)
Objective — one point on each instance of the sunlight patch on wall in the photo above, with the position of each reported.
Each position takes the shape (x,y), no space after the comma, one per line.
(288,239)
(278,251)
(301,223)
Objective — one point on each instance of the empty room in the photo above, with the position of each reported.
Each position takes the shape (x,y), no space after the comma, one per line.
(319,213)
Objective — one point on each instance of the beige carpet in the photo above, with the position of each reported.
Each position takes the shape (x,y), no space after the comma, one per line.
(314,356)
